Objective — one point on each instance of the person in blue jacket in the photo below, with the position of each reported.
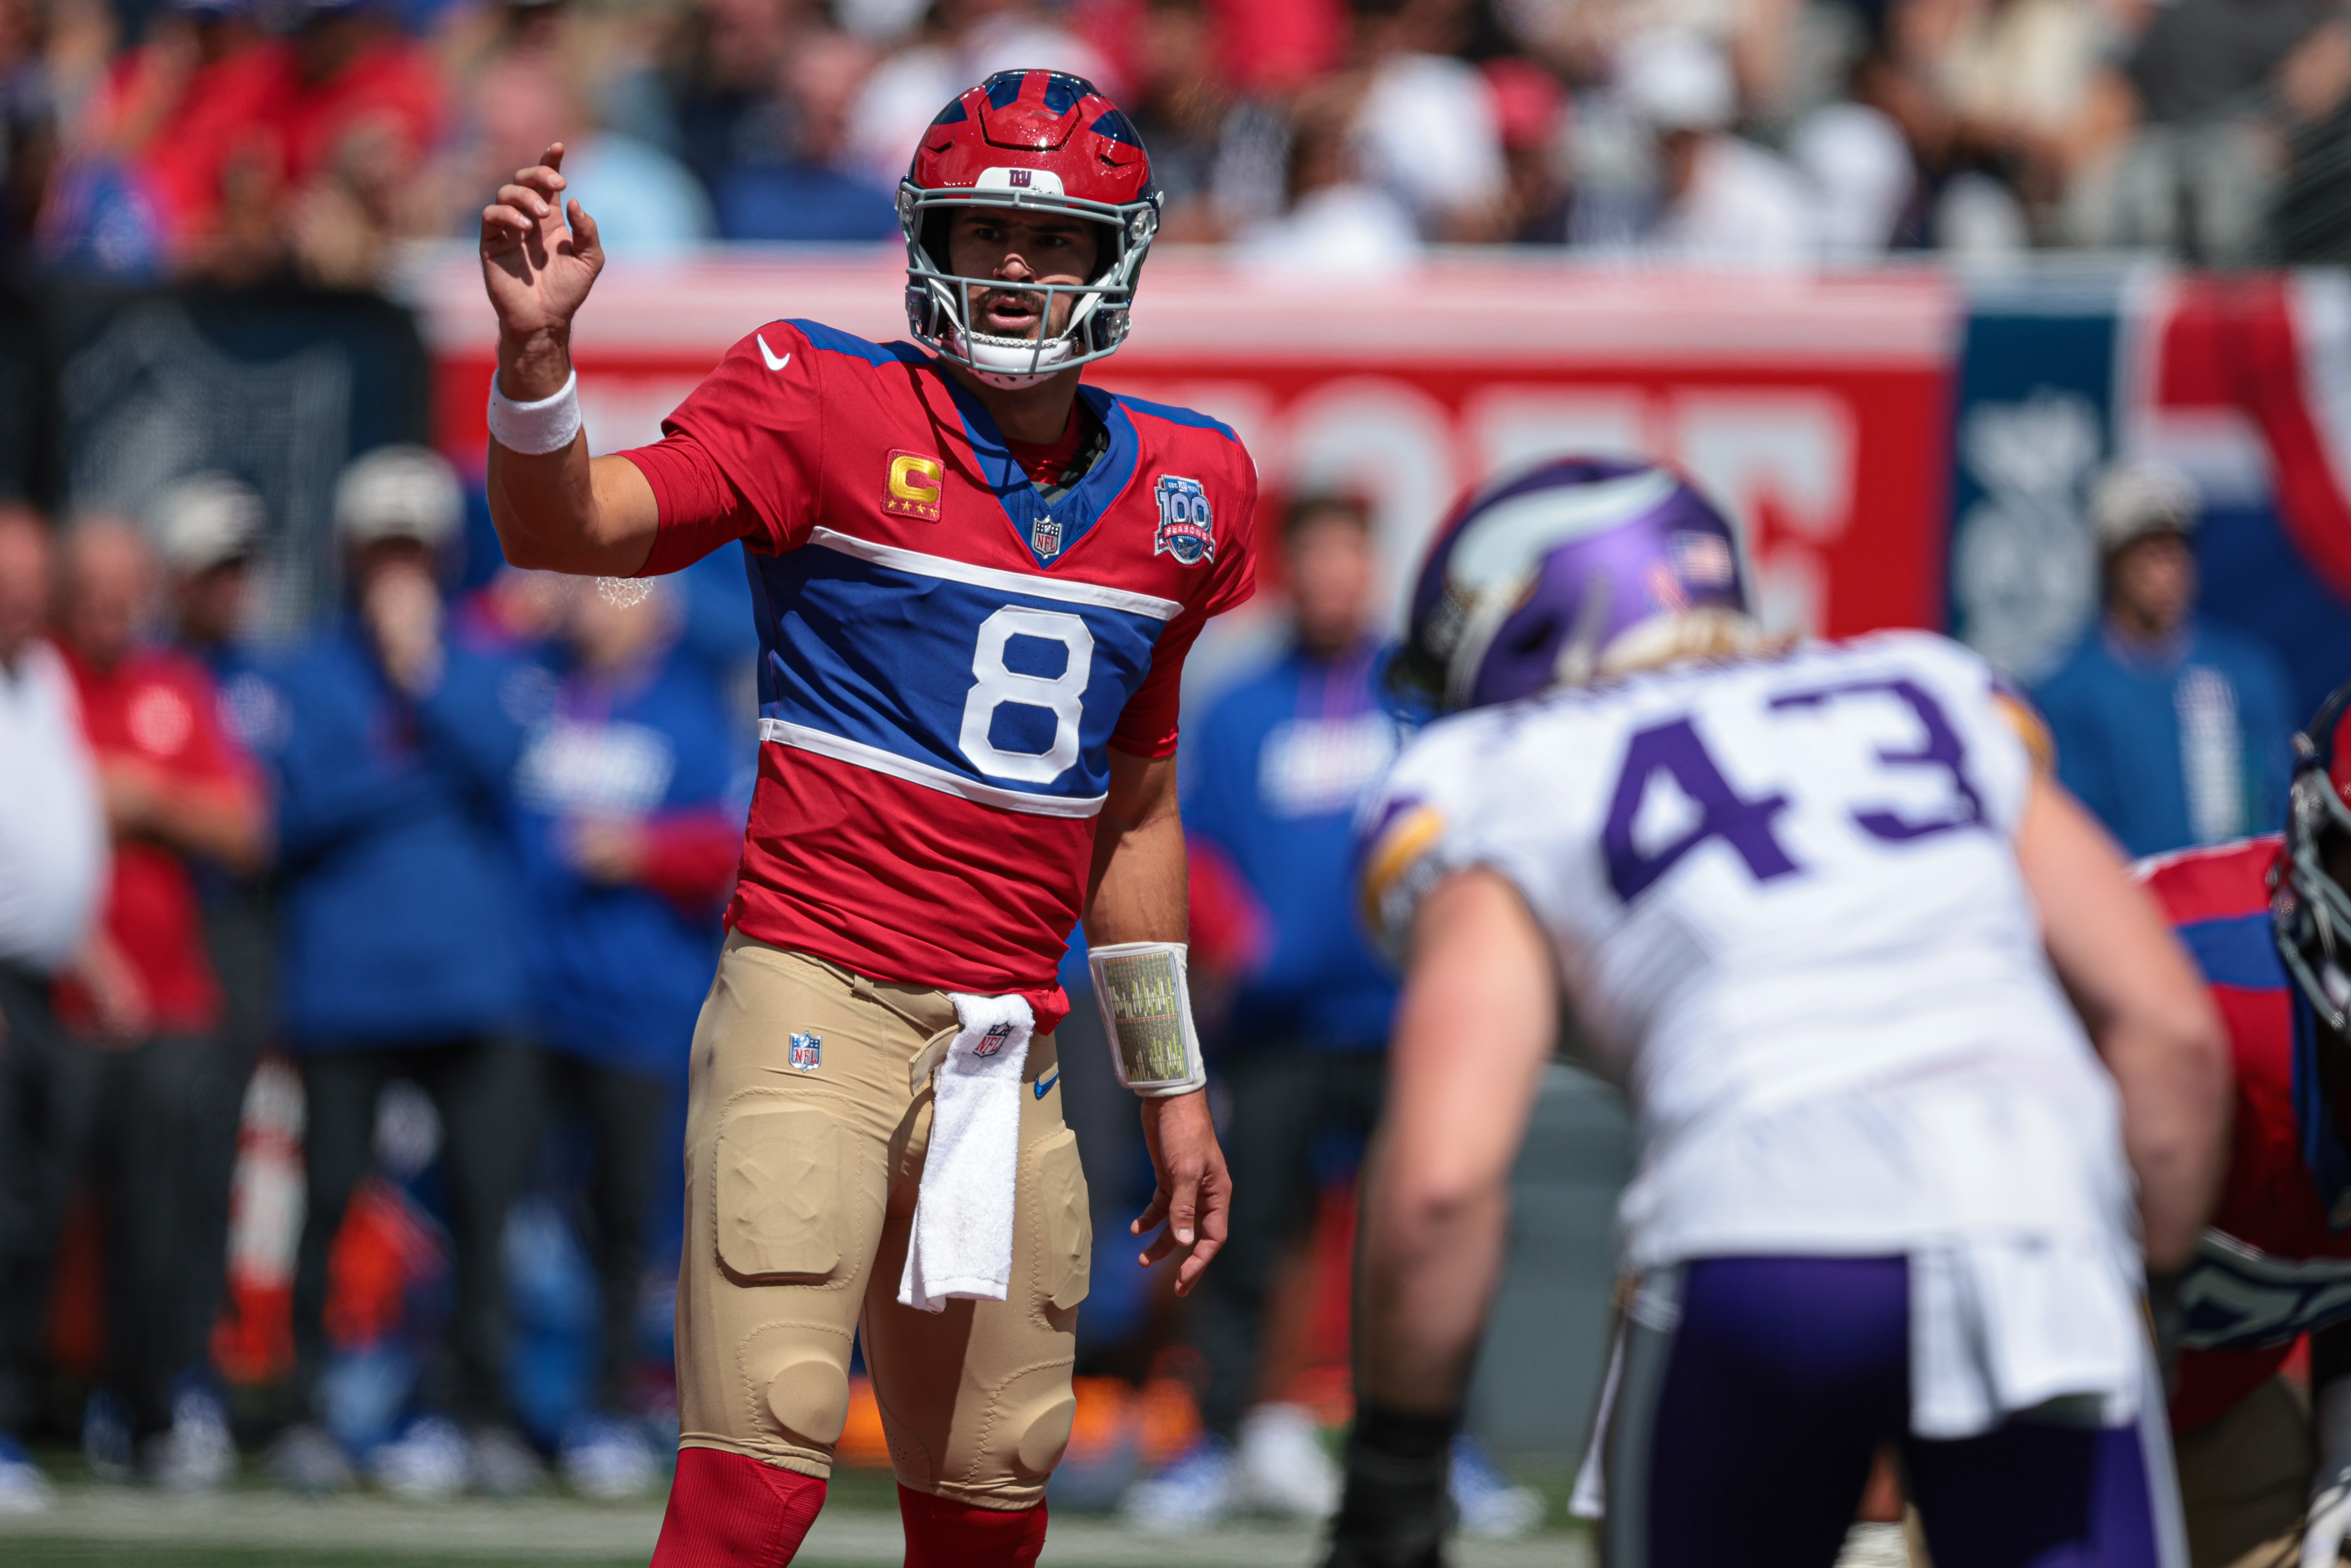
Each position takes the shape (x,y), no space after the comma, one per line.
(2173,731)
(631,799)
(1280,761)
(401,954)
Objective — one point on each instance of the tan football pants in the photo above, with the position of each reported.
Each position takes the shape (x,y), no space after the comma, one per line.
(800,1192)
(2244,1480)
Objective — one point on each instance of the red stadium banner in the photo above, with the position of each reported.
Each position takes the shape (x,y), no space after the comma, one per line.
(1818,410)
(2245,383)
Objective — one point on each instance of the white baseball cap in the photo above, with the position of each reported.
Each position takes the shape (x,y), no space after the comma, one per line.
(399,491)
(206,521)
(1676,79)
(2139,496)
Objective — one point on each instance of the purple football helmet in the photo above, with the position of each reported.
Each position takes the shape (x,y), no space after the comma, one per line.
(1537,572)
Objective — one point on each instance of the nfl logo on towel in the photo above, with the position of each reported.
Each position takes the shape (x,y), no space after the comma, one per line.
(808,1051)
(993,1040)
(1185,529)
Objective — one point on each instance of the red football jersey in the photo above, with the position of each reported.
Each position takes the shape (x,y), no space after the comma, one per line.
(159,709)
(945,655)
(2276,1262)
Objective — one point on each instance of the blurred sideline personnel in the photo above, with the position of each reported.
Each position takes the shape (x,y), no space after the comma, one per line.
(2266,1474)
(976,582)
(208,530)
(177,789)
(627,808)
(1278,766)
(400,958)
(1786,895)
(2172,731)
(53,868)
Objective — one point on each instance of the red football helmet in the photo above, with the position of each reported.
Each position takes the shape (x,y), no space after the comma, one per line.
(1041,140)
(2309,908)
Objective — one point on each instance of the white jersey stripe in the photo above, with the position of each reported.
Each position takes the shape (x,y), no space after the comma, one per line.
(859,755)
(1064,590)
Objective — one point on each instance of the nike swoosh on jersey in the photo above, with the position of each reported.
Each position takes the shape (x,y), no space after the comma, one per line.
(769,354)
(1048,1082)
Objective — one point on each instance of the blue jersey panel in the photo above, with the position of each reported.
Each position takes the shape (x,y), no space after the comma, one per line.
(2240,951)
(968,675)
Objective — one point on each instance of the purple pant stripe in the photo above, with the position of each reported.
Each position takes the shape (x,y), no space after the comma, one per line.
(1746,1419)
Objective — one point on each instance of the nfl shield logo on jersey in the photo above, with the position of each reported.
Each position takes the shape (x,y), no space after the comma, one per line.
(993,1040)
(808,1051)
(1045,538)
(1185,529)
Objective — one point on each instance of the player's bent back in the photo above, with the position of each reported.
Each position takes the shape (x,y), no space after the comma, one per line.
(1804,945)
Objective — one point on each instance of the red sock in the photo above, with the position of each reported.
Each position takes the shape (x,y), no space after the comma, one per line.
(943,1534)
(729,1511)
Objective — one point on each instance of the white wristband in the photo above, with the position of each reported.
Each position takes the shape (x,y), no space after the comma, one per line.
(536,428)
(1147,1009)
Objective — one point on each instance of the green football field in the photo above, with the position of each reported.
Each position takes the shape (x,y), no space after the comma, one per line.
(120,1554)
(93,1526)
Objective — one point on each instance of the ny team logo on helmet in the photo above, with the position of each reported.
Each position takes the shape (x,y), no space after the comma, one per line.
(1041,141)
(1539,573)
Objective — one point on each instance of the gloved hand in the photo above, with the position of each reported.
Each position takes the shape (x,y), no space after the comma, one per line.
(2330,1486)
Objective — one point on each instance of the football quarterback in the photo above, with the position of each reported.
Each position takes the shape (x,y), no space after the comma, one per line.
(976,580)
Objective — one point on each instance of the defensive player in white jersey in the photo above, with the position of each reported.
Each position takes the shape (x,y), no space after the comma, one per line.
(1896,1028)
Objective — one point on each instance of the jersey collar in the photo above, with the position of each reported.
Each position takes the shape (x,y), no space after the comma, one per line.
(1039,522)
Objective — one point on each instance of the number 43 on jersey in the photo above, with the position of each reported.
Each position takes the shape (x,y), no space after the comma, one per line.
(1667,773)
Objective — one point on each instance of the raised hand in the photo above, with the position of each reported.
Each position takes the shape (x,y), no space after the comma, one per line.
(538,270)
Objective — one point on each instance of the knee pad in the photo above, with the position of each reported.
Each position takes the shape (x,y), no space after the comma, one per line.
(728,1511)
(808,1395)
(944,1534)
(1046,1438)
(1026,1433)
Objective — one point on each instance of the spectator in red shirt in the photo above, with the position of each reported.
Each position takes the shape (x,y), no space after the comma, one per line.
(349,76)
(175,786)
(359,111)
(241,151)
(180,111)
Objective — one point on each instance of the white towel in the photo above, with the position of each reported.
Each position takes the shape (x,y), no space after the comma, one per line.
(962,1240)
(2000,1325)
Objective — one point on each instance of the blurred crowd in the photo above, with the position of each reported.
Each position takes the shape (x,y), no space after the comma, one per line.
(240,139)
(461,864)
